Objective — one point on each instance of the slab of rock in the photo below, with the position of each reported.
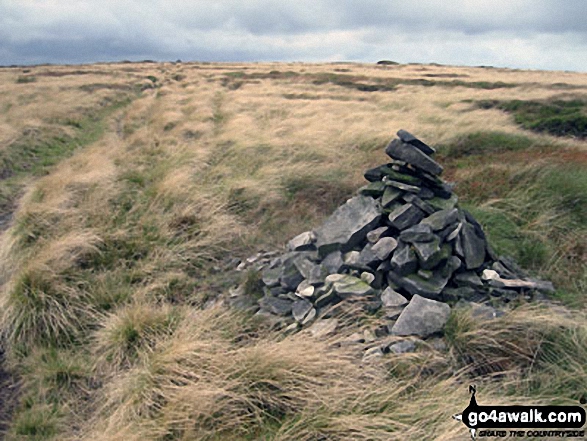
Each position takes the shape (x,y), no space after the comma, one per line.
(349,286)
(496,281)
(422,317)
(402,186)
(408,138)
(348,225)
(405,216)
(302,242)
(384,247)
(391,298)
(413,156)
(270,276)
(404,260)
(390,195)
(333,262)
(470,246)
(441,203)
(418,233)
(402,347)
(442,219)
(300,309)
(377,173)
(428,252)
(376,234)
(276,306)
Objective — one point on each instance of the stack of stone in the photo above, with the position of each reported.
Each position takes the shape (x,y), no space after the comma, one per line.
(401,241)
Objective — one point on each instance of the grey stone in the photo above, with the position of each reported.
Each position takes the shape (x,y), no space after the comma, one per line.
(312,272)
(425,193)
(352,259)
(291,276)
(408,138)
(442,219)
(377,173)
(333,262)
(373,189)
(300,309)
(348,225)
(422,317)
(413,156)
(271,276)
(428,253)
(367,257)
(430,288)
(468,278)
(391,298)
(405,216)
(402,347)
(325,299)
(404,260)
(276,306)
(244,303)
(367,277)
(323,328)
(309,317)
(415,200)
(418,233)
(425,274)
(372,354)
(384,247)
(305,290)
(302,242)
(444,203)
(402,186)
(470,247)
(452,232)
(351,286)
(376,234)
(389,195)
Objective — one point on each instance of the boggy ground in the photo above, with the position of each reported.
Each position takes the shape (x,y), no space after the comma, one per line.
(126,189)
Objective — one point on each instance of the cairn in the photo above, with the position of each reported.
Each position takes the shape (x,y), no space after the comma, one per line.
(403,244)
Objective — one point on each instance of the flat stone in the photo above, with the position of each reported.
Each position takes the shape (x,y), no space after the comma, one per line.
(302,242)
(402,186)
(352,286)
(352,259)
(333,262)
(377,173)
(372,354)
(425,193)
(422,205)
(348,225)
(291,276)
(422,317)
(310,271)
(408,138)
(470,247)
(428,253)
(305,290)
(325,299)
(367,277)
(276,306)
(376,234)
(271,276)
(418,233)
(367,258)
(444,203)
(373,189)
(309,317)
(405,216)
(404,260)
(384,247)
(390,194)
(323,328)
(453,233)
(300,309)
(442,219)
(468,278)
(413,156)
(430,288)
(391,298)
(402,347)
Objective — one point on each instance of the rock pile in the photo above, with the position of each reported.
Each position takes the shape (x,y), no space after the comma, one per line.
(402,244)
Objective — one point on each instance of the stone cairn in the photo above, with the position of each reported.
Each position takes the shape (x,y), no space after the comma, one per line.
(402,244)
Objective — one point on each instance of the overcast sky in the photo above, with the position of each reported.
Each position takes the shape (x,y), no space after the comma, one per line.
(535,34)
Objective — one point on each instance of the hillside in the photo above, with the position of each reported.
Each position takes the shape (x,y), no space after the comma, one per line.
(129,192)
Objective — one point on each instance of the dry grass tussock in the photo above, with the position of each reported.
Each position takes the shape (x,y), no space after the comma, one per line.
(113,251)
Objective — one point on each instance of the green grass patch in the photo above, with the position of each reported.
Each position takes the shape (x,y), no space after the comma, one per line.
(554,117)
(485,143)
